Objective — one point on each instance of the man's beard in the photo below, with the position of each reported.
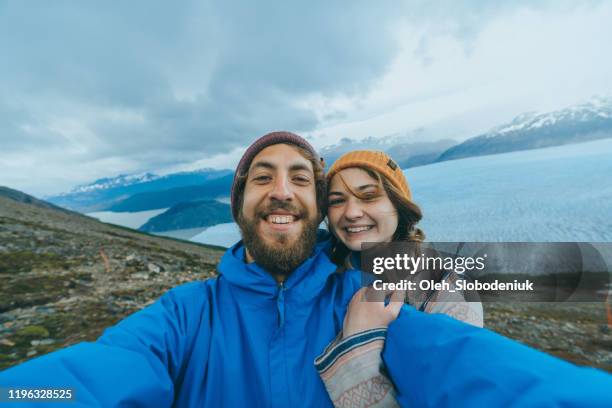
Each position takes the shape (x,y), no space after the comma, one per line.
(282,258)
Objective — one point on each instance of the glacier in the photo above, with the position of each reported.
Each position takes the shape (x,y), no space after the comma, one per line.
(132,220)
(224,235)
(554,194)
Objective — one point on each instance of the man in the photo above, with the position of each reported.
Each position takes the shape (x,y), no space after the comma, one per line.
(246,338)
(250,336)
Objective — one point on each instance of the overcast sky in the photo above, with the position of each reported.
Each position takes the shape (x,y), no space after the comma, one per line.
(95,89)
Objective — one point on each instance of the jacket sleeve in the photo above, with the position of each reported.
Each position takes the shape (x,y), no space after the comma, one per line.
(132,364)
(435,360)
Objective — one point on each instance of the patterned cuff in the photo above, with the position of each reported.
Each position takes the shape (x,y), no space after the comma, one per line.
(338,348)
(353,373)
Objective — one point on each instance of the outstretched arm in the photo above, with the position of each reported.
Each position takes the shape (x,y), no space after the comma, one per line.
(435,360)
(133,364)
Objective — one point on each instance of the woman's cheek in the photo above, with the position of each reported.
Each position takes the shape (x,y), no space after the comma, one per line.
(333,217)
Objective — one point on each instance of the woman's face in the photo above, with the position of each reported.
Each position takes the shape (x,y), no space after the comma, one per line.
(371,218)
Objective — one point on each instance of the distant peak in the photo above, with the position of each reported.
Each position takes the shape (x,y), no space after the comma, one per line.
(111,182)
(597,106)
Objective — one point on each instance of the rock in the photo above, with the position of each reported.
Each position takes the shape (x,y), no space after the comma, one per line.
(7,342)
(32,353)
(153,268)
(114,309)
(569,326)
(135,260)
(33,332)
(140,275)
(45,310)
(45,342)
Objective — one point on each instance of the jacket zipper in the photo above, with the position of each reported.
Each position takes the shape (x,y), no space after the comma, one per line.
(280,304)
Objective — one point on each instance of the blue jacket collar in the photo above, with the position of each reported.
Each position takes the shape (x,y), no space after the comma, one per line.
(307,279)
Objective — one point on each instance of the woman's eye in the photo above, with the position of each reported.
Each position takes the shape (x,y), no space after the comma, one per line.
(335,202)
(370,196)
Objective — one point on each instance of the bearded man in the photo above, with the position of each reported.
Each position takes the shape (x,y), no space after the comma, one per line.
(249,336)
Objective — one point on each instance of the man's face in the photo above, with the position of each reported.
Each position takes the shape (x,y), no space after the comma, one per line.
(279,215)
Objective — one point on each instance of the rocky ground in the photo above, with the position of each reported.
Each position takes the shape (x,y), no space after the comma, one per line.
(577,332)
(65,277)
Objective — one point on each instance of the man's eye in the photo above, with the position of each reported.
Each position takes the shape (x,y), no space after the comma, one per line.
(261,179)
(301,179)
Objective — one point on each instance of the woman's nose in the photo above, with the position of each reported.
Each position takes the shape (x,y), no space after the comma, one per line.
(353,210)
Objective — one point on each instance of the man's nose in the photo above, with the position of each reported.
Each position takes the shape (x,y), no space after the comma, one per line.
(353,210)
(281,189)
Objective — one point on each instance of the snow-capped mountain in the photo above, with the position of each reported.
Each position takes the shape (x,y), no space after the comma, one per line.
(106,183)
(588,121)
(106,192)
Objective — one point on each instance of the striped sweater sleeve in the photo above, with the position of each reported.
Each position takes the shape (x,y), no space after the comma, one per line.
(353,373)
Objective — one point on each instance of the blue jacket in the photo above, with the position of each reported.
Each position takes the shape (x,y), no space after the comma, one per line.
(241,340)
(437,361)
(238,340)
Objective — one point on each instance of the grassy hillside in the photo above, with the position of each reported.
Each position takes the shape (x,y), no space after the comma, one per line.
(65,277)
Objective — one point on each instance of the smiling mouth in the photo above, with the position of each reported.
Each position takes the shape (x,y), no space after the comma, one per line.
(280,219)
(355,230)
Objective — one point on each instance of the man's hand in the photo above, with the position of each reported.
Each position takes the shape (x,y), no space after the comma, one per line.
(367,310)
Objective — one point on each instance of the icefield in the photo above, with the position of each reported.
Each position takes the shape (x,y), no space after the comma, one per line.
(555,194)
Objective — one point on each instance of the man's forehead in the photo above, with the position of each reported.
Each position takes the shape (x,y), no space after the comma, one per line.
(281,156)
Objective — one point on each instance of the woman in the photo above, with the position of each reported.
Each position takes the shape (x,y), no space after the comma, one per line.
(369,201)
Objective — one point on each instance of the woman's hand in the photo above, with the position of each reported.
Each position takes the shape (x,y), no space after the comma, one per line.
(367,310)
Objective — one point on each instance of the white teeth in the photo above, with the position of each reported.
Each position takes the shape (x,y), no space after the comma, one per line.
(281,219)
(358,229)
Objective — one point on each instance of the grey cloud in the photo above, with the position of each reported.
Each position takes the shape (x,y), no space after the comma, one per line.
(152,83)
(464,20)
(257,59)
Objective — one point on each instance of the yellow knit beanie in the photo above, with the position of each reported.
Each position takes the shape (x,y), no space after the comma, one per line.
(373,160)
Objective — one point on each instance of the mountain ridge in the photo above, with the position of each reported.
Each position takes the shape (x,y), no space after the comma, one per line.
(212,189)
(192,214)
(591,120)
(106,192)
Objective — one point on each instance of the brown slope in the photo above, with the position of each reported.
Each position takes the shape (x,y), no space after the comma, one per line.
(64,277)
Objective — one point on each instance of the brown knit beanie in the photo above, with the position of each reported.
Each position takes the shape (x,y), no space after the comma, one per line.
(257,146)
(373,160)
